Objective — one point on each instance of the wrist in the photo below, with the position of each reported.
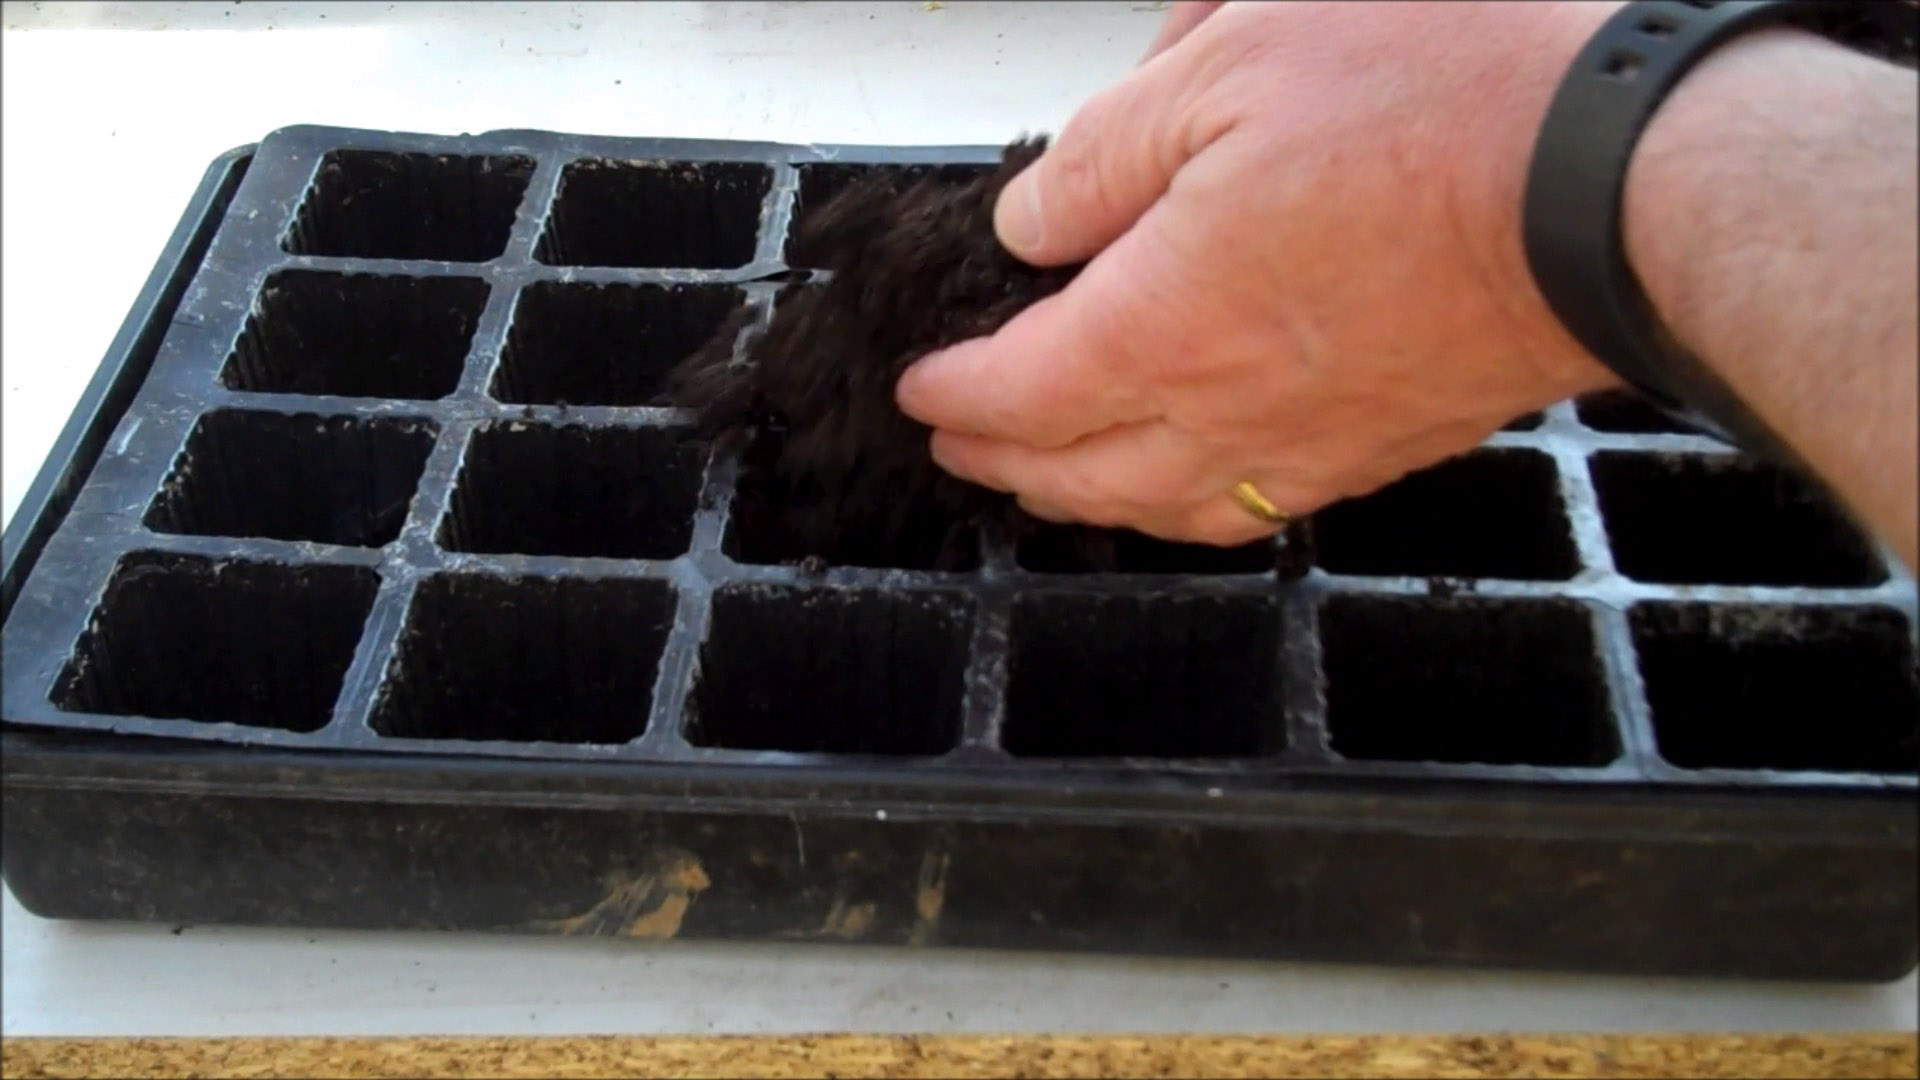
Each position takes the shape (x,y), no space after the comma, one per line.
(1768,215)
(1776,165)
(1701,202)
(1536,44)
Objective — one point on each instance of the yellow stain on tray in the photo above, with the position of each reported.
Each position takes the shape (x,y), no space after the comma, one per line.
(848,921)
(650,907)
(929,898)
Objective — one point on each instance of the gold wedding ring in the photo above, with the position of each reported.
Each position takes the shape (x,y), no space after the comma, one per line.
(1258,505)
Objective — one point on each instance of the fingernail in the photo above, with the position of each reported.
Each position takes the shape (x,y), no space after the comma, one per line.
(1016,216)
(910,391)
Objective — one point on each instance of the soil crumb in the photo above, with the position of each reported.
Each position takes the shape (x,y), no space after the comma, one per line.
(831,469)
(1442,587)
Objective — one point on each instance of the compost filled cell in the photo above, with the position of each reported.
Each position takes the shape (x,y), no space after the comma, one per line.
(1465,681)
(526,659)
(1629,412)
(1081,550)
(1772,687)
(1148,676)
(695,215)
(1526,422)
(180,637)
(375,205)
(1490,513)
(357,335)
(1725,520)
(832,671)
(574,490)
(294,476)
(581,344)
(820,182)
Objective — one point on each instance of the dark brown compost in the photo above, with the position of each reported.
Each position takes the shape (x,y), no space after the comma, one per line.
(830,463)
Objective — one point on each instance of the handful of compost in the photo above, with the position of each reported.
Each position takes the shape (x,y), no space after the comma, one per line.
(831,470)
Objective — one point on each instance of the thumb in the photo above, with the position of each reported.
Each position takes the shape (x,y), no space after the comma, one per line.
(1111,162)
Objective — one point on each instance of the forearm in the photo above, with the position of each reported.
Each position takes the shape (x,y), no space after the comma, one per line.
(1770,214)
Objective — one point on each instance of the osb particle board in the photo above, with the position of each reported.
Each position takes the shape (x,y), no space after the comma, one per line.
(1701,1055)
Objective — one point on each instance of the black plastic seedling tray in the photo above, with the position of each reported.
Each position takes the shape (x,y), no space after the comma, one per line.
(368,588)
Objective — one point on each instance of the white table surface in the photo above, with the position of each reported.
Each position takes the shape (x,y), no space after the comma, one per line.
(111,114)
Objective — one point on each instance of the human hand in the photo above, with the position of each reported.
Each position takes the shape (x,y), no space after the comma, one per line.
(1306,269)
(1181,18)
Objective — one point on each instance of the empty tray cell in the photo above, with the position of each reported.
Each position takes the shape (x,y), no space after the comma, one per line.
(180,637)
(585,492)
(1753,687)
(1465,681)
(819,183)
(369,204)
(357,335)
(832,671)
(563,660)
(1081,550)
(327,479)
(1144,677)
(685,214)
(574,344)
(1490,513)
(1725,520)
(1628,412)
(761,529)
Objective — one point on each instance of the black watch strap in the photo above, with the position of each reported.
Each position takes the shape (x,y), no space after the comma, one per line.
(1571,218)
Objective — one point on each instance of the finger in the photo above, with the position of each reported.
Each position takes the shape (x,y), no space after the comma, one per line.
(1048,377)
(1114,158)
(1045,511)
(1219,519)
(1223,522)
(1181,18)
(1127,475)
